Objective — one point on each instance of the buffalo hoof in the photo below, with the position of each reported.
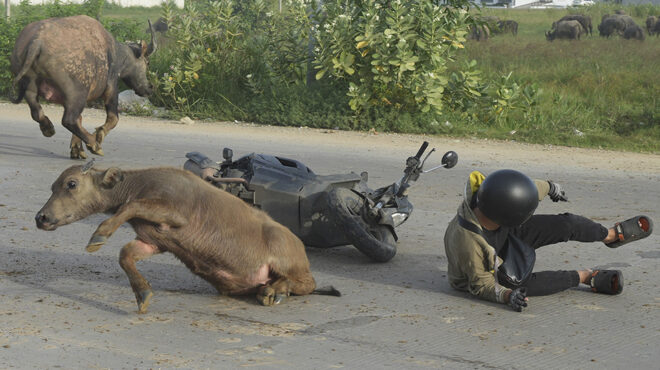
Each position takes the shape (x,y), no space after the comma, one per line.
(143,300)
(96,149)
(77,152)
(267,296)
(100,135)
(47,128)
(95,243)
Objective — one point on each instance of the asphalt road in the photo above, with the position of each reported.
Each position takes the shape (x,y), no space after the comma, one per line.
(63,307)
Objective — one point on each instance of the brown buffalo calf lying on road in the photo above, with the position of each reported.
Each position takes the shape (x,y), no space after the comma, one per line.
(237,248)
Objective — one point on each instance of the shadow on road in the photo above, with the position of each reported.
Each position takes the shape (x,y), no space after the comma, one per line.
(408,271)
(41,270)
(27,150)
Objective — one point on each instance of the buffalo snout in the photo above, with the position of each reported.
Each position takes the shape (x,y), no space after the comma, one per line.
(44,221)
(145,91)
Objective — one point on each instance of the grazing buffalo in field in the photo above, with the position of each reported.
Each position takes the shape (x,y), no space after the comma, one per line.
(570,30)
(492,22)
(237,248)
(584,20)
(651,21)
(628,20)
(618,24)
(72,61)
(479,32)
(611,25)
(508,26)
(634,32)
(161,25)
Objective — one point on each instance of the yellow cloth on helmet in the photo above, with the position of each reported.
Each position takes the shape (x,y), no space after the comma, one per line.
(476,179)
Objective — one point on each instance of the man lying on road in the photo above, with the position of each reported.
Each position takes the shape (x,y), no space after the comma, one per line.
(490,244)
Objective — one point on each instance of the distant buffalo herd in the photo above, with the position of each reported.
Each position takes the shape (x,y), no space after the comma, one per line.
(491,25)
(571,27)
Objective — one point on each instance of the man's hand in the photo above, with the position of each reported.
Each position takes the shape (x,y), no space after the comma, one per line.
(556,193)
(518,299)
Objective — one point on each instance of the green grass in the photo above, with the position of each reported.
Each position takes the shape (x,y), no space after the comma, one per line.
(592,93)
(607,89)
(136,13)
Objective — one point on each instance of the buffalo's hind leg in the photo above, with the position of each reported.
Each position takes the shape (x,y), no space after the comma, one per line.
(37,113)
(277,291)
(289,270)
(72,120)
(132,252)
(111,119)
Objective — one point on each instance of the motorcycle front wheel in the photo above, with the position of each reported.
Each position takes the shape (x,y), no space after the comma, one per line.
(374,240)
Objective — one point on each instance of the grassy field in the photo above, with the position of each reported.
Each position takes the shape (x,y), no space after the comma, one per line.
(593,92)
(137,13)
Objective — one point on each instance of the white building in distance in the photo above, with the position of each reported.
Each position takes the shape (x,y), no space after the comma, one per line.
(124,3)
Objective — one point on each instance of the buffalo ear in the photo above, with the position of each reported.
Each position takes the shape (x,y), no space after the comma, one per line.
(135,48)
(111,177)
(145,47)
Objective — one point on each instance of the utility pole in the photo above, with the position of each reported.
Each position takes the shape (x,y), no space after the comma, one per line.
(7,12)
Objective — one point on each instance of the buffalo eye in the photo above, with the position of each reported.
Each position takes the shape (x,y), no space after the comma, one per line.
(71,185)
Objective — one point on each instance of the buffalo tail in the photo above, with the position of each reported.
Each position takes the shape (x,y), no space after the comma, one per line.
(20,88)
(20,81)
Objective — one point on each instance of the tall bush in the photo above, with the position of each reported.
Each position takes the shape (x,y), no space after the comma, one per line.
(226,54)
(392,53)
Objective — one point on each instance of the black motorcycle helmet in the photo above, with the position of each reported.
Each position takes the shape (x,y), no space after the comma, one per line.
(508,197)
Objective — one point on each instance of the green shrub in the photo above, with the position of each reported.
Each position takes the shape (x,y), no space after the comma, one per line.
(392,53)
(248,61)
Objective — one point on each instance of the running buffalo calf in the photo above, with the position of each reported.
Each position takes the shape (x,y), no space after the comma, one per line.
(71,61)
(235,247)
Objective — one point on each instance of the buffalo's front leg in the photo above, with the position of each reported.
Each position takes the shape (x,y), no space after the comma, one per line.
(152,210)
(37,113)
(77,150)
(132,252)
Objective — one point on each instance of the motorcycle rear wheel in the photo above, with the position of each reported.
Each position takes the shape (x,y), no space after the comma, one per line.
(374,240)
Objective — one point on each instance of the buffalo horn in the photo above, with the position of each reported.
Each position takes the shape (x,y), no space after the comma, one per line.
(152,45)
(88,166)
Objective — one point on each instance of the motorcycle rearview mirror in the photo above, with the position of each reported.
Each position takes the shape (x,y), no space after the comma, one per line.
(450,159)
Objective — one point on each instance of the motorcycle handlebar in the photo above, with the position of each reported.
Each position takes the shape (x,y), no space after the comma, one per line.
(422,149)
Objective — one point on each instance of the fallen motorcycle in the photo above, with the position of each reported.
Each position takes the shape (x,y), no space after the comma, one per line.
(323,211)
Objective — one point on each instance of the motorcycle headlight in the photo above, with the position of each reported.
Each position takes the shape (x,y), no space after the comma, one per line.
(398,218)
